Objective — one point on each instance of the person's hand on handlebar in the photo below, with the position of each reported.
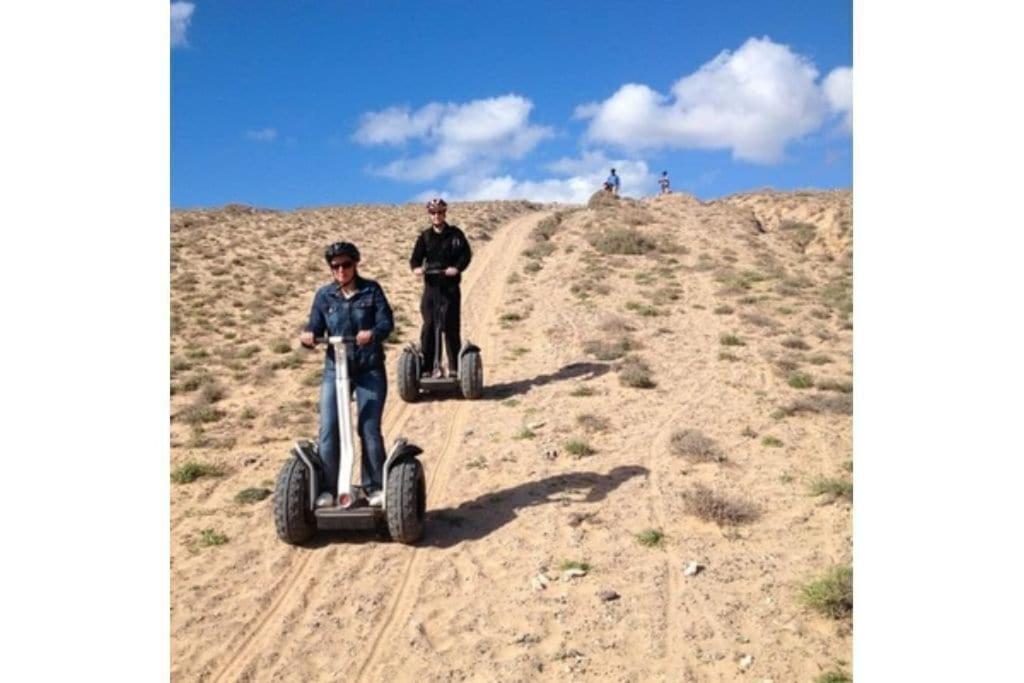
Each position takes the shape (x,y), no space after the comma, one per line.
(417,271)
(306,339)
(451,271)
(364,337)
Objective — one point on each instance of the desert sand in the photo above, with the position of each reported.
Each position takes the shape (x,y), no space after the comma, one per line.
(689,393)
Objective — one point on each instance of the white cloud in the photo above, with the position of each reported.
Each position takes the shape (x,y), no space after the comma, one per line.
(455,137)
(838,87)
(753,101)
(262,135)
(580,179)
(181,16)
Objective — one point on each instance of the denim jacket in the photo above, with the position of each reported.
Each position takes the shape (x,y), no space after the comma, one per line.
(368,309)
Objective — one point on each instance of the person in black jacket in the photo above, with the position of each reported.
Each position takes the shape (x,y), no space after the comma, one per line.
(441,254)
(352,306)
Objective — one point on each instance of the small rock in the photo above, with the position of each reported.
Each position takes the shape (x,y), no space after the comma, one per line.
(692,569)
(250,460)
(551,454)
(608,595)
(536,425)
(527,639)
(746,662)
(540,582)
(573,573)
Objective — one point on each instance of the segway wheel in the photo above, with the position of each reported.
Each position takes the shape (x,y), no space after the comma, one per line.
(471,379)
(292,517)
(408,377)
(407,500)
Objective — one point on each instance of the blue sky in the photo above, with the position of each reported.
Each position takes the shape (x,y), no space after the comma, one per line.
(304,103)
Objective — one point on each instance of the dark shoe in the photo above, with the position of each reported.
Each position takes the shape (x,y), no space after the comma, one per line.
(452,374)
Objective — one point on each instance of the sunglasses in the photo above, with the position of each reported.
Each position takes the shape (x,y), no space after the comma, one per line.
(344,264)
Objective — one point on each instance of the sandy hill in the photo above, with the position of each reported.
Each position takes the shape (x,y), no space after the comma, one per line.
(666,382)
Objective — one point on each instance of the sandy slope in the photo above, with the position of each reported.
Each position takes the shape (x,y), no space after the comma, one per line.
(507,498)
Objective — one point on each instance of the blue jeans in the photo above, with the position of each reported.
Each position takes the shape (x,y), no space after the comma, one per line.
(371,388)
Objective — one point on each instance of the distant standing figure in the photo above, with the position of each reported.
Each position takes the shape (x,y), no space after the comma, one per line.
(663,183)
(612,184)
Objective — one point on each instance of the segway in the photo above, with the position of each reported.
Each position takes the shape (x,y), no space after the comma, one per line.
(469,377)
(402,514)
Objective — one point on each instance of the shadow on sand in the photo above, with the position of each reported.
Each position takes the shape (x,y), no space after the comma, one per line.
(479,517)
(498,392)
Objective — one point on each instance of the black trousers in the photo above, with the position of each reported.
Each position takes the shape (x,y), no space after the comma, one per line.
(441,308)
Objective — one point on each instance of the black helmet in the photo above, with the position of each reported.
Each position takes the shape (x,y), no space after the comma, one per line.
(342,249)
(437,205)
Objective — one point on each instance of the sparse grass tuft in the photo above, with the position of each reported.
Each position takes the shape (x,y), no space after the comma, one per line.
(731,340)
(645,310)
(695,447)
(834,676)
(723,310)
(190,471)
(835,385)
(800,380)
(251,495)
(582,390)
(651,538)
(725,355)
(280,346)
(524,433)
(832,594)
(837,488)
(574,564)
(705,504)
(771,442)
(579,448)
(209,537)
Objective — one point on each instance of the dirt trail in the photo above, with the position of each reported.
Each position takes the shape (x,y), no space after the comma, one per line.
(263,639)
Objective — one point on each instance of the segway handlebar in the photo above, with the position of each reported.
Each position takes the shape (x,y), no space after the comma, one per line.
(333,340)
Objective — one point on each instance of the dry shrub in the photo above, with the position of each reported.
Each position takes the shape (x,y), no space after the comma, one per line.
(695,447)
(759,320)
(795,343)
(539,250)
(602,200)
(615,324)
(619,240)
(605,349)
(702,502)
(592,423)
(800,234)
(841,404)
(636,374)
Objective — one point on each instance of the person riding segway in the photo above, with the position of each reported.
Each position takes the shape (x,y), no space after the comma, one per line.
(314,489)
(352,306)
(440,255)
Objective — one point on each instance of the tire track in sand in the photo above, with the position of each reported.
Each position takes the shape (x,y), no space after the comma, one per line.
(507,249)
(244,645)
